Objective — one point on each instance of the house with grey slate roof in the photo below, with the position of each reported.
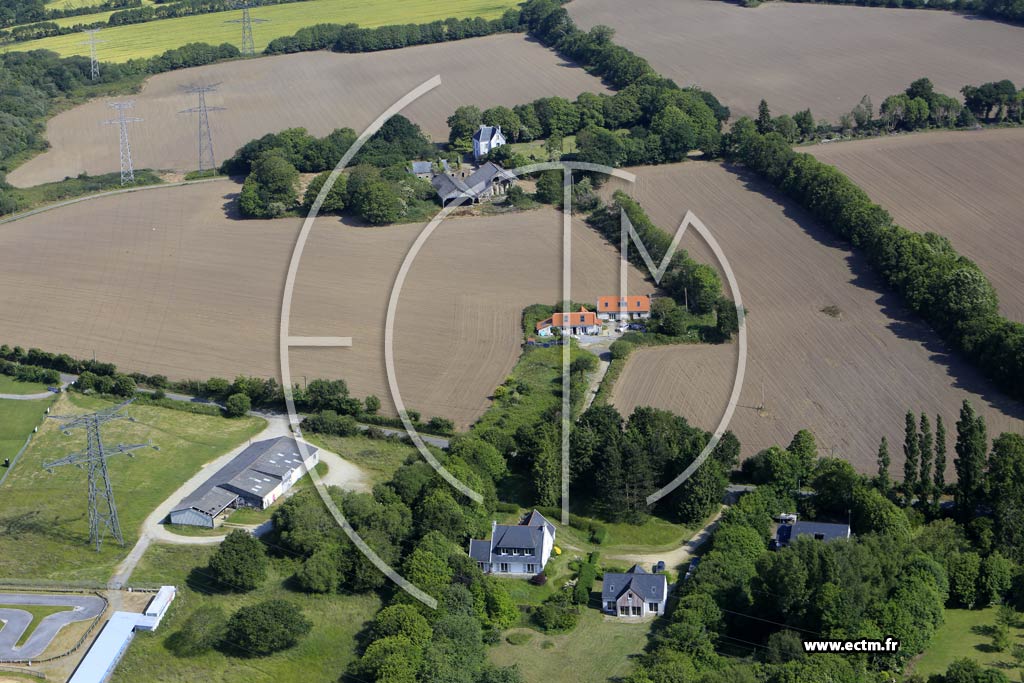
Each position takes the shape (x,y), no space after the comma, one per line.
(634,594)
(486,139)
(515,549)
(790,529)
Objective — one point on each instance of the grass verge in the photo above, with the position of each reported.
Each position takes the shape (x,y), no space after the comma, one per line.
(17,420)
(965,633)
(9,385)
(321,656)
(44,524)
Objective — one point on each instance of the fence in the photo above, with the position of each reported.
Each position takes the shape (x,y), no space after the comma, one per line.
(24,672)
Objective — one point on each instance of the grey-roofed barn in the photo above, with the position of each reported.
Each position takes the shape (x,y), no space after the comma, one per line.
(634,594)
(487,182)
(256,477)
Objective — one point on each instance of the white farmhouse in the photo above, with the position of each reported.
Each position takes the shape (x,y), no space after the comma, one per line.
(486,139)
(519,550)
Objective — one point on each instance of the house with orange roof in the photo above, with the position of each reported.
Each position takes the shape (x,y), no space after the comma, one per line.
(577,322)
(623,307)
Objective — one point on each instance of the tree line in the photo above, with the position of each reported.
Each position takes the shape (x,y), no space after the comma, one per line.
(945,288)
(353,38)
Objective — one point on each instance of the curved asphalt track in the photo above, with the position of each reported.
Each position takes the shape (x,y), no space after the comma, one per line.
(80,608)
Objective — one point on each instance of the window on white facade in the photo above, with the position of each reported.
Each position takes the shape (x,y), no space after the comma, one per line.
(504,567)
(624,611)
(531,568)
(637,609)
(653,606)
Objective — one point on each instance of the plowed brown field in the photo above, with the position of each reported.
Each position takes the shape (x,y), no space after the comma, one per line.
(805,55)
(963,185)
(164,281)
(320,91)
(848,378)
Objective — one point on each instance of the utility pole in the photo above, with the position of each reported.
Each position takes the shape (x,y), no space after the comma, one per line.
(102,511)
(94,64)
(122,121)
(248,44)
(206,158)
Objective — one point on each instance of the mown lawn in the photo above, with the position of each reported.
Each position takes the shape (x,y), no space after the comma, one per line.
(44,525)
(9,385)
(965,633)
(598,649)
(154,37)
(379,458)
(320,657)
(17,420)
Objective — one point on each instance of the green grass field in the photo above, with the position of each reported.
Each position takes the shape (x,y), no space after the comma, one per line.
(17,420)
(152,38)
(598,649)
(9,385)
(38,612)
(378,458)
(43,517)
(965,634)
(321,657)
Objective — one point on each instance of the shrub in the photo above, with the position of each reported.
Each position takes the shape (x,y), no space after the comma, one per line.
(267,627)
(237,405)
(519,638)
(202,631)
(240,563)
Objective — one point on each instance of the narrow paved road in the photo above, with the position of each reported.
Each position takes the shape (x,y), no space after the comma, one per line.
(80,608)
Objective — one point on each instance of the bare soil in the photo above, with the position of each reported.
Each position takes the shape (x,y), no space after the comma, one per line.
(804,55)
(320,91)
(849,378)
(165,281)
(964,185)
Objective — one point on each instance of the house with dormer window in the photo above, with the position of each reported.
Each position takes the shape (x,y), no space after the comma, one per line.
(515,549)
(634,594)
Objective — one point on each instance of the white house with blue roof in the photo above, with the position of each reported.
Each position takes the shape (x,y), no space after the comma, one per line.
(486,139)
(515,549)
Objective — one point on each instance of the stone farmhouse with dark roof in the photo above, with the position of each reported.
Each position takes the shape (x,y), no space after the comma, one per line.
(485,183)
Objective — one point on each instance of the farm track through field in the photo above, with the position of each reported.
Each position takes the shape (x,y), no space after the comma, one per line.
(320,91)
(849,379)
(964,185)
(805,55)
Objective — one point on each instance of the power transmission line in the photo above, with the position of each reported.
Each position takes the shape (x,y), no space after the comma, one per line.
(102,510)
(94,64)
(206,159)
(248,44)
(122,120)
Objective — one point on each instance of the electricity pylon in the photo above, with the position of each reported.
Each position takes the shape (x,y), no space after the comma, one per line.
(206,158)
(122,120)
(102,510)
(94,64)
(248,44)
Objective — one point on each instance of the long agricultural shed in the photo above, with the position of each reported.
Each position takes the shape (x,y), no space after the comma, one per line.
(256,477)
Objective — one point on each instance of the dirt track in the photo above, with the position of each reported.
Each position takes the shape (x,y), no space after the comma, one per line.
(165,282)
(964,185)
(805,55)
(320,91)
(849,379)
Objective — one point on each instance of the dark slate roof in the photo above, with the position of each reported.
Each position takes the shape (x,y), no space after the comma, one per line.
(518,536)
(480,550)
(485,133)
(449,187)
(537,519)
(481,178)
(652,587)
(422,167)
(263,464)
(829,532)
(209,501)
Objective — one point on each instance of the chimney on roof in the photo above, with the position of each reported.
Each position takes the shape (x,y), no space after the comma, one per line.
(494,527)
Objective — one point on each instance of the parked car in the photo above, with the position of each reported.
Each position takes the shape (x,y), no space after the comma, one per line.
(637,327)
(659,566)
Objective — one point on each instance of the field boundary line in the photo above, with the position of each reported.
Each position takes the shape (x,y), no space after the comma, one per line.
(109,193)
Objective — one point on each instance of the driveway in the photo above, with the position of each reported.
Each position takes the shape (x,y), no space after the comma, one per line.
(340,472)
(80,608)
(675,558)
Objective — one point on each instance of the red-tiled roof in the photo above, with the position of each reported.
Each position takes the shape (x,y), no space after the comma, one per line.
(580,318)
(629,304)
